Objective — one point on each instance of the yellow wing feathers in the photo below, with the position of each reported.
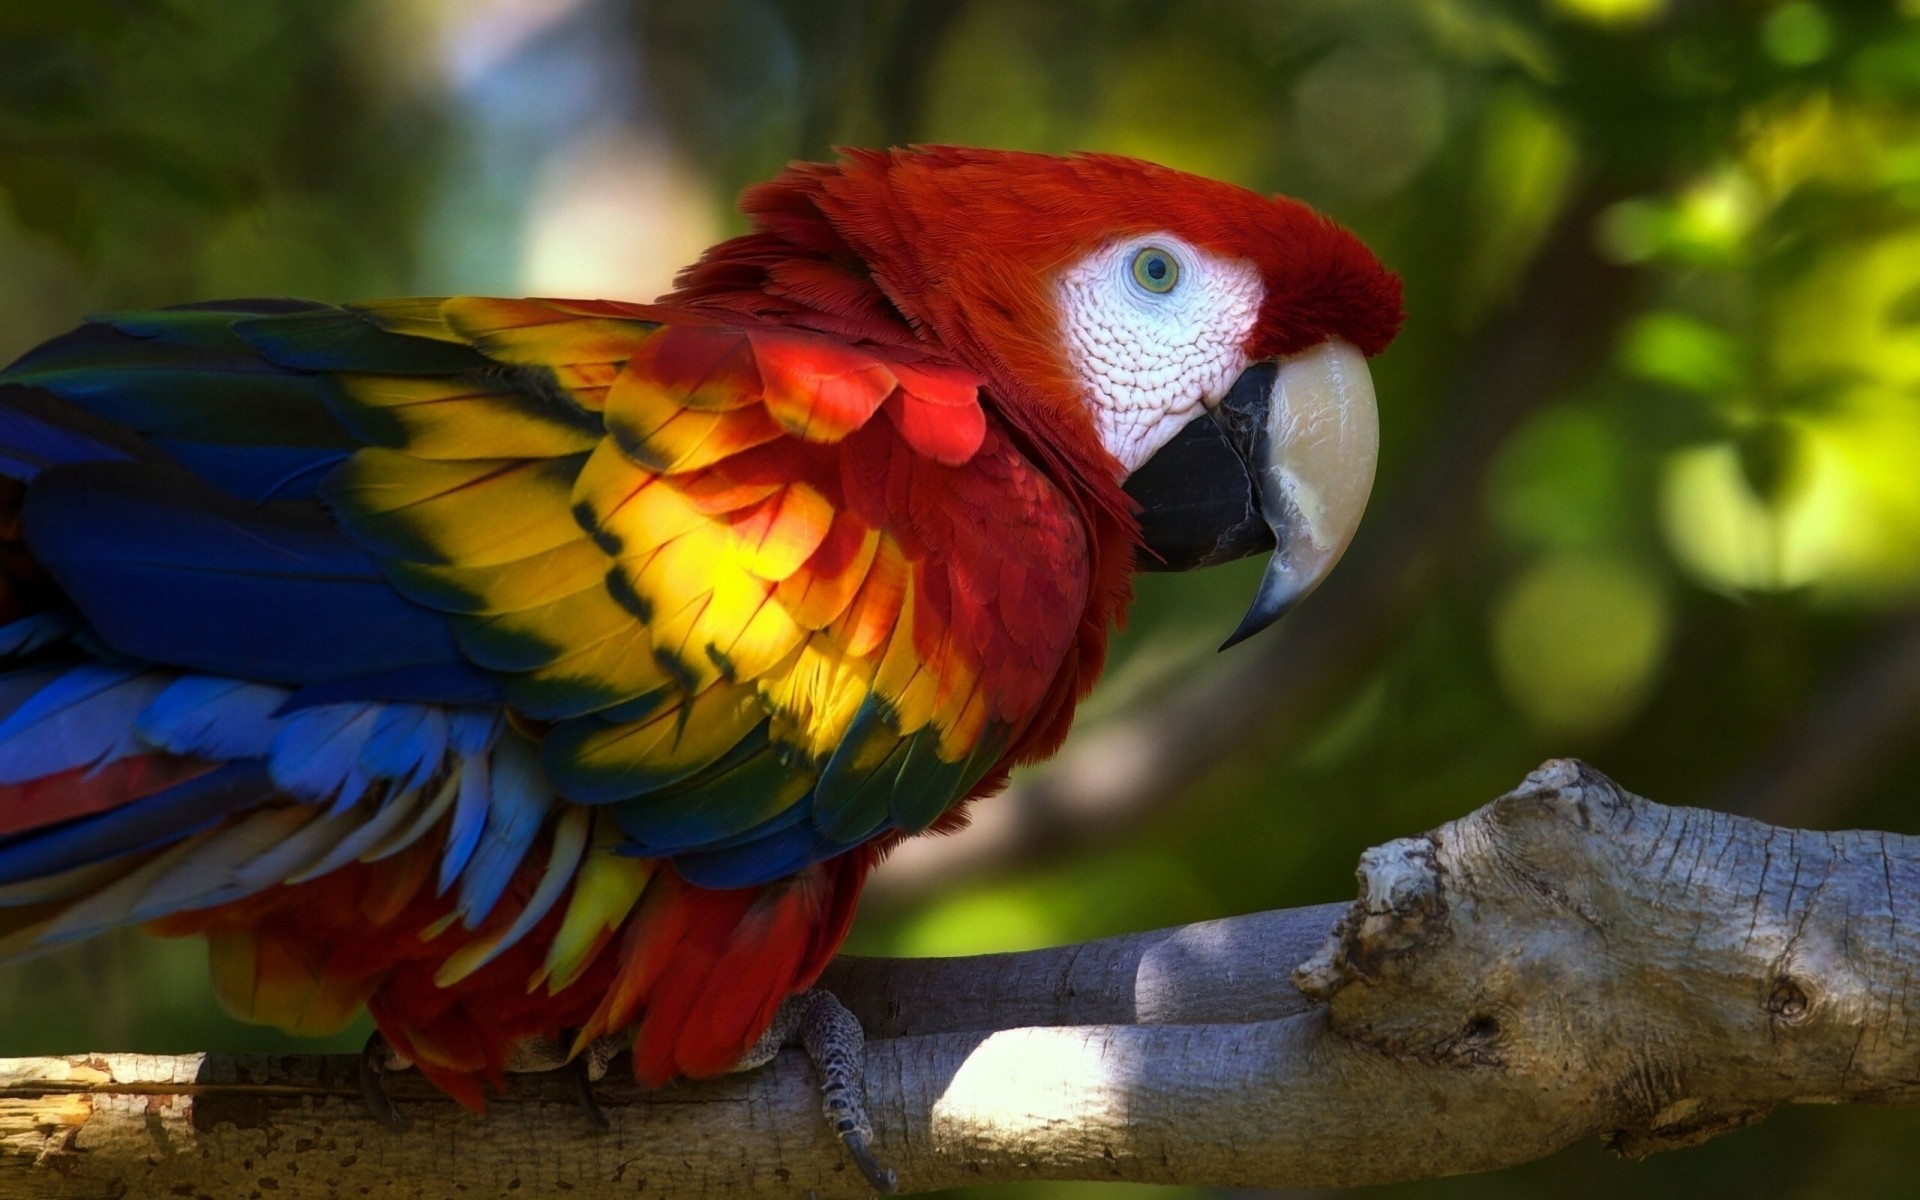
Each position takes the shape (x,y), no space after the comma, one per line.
(708,559)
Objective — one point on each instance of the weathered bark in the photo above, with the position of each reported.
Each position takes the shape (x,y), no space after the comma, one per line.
(1567,962)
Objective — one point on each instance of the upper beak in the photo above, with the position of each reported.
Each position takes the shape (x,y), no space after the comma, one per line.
(1285,460)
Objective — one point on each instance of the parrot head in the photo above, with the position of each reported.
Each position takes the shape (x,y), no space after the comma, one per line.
(1197,344)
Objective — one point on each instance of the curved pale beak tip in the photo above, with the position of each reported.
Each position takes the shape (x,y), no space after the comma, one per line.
(1313,471)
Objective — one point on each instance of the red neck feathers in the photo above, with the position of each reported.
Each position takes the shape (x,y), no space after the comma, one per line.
(866,249)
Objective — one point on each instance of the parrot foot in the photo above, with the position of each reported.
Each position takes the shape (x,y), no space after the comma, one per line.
(818,1023)
(583,1082)
(537,1054)
(377,1057)
(589,1068)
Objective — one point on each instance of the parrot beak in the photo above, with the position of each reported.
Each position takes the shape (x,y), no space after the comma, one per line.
(1285,461)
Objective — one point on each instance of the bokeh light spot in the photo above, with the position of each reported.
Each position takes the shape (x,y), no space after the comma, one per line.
(614,215)
(1561,481)
(1731,539)
(1797,34)
(1681,351)
(1632,231)
(982,923)
(1578,639)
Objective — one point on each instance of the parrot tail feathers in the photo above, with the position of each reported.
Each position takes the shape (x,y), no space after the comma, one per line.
(125,841)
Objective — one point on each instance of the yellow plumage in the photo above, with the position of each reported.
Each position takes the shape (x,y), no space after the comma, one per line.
(605,890)
(461,419)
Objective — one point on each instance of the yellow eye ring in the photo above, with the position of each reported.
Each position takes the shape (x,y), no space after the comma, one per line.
(1156,270)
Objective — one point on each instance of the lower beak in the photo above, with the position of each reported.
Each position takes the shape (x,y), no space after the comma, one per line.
(1285,461)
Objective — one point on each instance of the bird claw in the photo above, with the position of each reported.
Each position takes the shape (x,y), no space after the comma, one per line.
(374,1057)
(881,1179)
(581,1069)
(816,1021)
(536,1054)
(554,1052)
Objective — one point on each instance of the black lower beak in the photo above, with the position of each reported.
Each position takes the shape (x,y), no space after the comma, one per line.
(1283,462)
(1198,506)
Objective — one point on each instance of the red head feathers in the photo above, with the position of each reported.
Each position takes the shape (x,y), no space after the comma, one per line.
(957,247)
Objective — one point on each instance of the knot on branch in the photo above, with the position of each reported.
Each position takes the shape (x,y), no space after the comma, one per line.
(1490,941)
(1662,971)
(1402,908)
(1562,790)
(1432,905)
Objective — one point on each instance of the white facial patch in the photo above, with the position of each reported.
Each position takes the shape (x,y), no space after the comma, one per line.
(1149,359)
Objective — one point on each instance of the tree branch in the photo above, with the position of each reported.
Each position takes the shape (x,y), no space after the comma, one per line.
(1569,961)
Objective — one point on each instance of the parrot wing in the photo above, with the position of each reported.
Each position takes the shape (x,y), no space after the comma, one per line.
(618,582)
(766,595)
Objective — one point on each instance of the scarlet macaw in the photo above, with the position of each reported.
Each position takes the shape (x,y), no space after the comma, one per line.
(520,669)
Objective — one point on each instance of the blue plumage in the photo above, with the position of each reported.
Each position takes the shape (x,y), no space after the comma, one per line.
(517,807)
(316,753)
(472,731)
(174,571)
(779,853)
(406,744)
(427,683)
(206,716)
(61,716)
(470,804)
(31,634)
(39,430)
(256,473)
(182,376)
(79,717)
(323,338)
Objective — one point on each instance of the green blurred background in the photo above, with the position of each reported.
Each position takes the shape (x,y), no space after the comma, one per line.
(1650,485)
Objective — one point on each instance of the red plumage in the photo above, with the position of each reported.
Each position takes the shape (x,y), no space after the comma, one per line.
(880,355)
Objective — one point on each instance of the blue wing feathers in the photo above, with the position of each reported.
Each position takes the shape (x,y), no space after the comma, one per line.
(174,571)
(780,853)
(338,339)
(181,470)
(316,754)
(206,716)
(470,805)
(82,717)
(406,745)
(518,802)
(31,634)
(256,473)
(39,430)
(455,682)
(187,373)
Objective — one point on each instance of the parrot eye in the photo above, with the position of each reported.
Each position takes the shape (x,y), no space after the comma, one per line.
(1155,328)
(1156,270)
